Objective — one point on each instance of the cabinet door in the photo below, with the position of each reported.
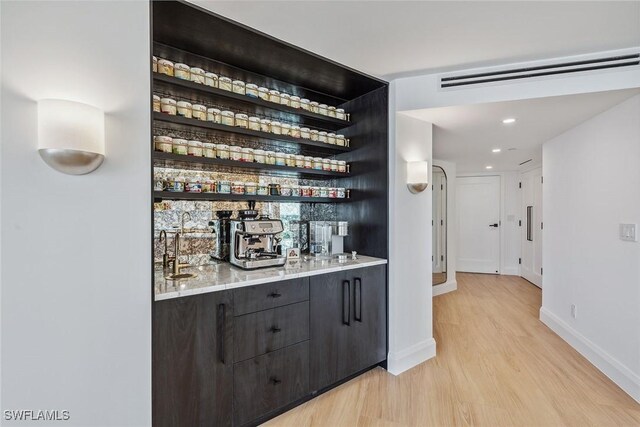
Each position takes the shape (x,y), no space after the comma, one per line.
(192,361)
(330,320)
(368,333)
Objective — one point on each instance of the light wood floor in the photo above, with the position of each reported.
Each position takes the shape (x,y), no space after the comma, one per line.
(496,365)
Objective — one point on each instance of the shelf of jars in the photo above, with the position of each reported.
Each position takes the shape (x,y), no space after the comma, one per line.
(169,195)
(186,123)
(180,161)
(165,83)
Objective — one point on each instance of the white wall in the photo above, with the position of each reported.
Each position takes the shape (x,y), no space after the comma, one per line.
(591,185)
(451,284)
(76,280)
(410,311)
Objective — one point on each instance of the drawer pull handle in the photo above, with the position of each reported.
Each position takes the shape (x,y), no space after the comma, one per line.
(275,294)
(222,319)
(275,329)
(275,381)
(357,301)
(346,302)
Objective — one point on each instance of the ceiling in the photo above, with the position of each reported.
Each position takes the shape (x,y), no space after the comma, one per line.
(466,134)
(393,38)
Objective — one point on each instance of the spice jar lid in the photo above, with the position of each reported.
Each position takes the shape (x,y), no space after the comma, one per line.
(162,138)
(314,103)
(285,95)
(241,116)
(314,131)
(156,98)
(299,156)
(331,134)
(208,144)
(342,162)
(323,133)
(197,70)
(222,146)
(274,123)
(317,159)
(247,150)
(280,154)
(308,158)
(181,66)
(295,98)
(265,121)
(168,101)
(263,89)
(179,141)
(211,75)
(184,104)
(258,151)
(304,100)
(164,62)
(235,148)
(254,119)
(238,82)
(225,79)
(322,105)
(271,153)
(199,107)
(252,86)
(274,92)
(227,113)
(334,162)
(295,127)
(339,110)
(286,125)
(331,108)
(305,129)
(238,183)
(213,110)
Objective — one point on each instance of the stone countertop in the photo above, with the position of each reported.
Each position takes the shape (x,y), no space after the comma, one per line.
(218,276)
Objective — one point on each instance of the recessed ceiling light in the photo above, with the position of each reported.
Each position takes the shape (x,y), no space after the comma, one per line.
(509,121)
(488,167)
(496,150)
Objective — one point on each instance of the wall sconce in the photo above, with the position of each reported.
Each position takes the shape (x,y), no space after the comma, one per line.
(417,176)
(70,136)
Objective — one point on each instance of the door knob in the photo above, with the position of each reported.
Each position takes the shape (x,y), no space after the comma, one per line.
(493,225)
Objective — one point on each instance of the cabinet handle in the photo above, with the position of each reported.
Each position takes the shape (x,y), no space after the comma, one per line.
(346,303)
(275,329)
(357,287)
(275,294)
(222,320)
(275,381)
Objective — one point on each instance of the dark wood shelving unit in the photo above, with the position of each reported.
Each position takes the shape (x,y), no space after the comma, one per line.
(183,123)
(179,161)
(183,88)
(167,195)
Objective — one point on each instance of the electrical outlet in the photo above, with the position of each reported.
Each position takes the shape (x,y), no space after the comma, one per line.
(628,232)
(574,311)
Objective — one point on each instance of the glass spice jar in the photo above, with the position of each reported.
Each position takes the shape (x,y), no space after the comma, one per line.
(295,190)
(211,79)
(192,185)
(305,104)
(276,128)
(265,125)
(208,186)
(222,151)
(342,166)
(209,150)
(326,164)
(333,192)
(299,161)
(163,144)
(252,90)
(281,159)
(165,67)
(315,191)
(263,93)
(224,187)
(254,123)
(235,152)
(259,156)
(182,71)
(250,188)
(168,106)
(199,112)
(322,109)
(239,87)
(242,120)
(324,191)
(237,188)
(308,162)
(285,190)
(340,114)
(184,109)
(225,83)
(317,163)
(314,134)
(154,67)
(331,111)
(156,104)
(305,191)
(213,115)
(295,131)
(180,146)
(195,148)
(197,75)
(274,96)
(270,157)
(227,118)
(341,193)
(262,190)
(314,106)
(331,138)
(175,184)
(290,160)
(305,133)
(247,155)
(285,129)
(341,140)
(322,136)
(295,101)
(285,99)
(334,165)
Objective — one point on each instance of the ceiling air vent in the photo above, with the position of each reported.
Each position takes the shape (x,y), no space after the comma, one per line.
(552,69)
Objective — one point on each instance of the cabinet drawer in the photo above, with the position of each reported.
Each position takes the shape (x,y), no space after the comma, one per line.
(270,381)
(269,330)
(270,295)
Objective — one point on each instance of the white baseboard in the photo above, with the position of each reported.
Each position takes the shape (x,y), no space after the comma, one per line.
(510,271)
(444,288)
(626,379)
(406,359)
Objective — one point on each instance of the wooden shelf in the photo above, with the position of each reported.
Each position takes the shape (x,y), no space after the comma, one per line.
(167,195)
(179,161)
(310,118)
(185,123)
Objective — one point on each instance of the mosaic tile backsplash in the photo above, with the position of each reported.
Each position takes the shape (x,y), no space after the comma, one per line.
(198,240)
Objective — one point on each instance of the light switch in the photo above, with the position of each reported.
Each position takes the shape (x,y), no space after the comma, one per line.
(628,232)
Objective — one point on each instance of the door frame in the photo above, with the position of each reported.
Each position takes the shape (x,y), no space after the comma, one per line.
(538,220)
(501,210)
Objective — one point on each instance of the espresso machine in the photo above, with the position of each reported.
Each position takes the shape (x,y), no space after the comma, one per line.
(255,242)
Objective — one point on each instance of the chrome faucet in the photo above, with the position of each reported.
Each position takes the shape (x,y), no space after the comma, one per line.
(188,216)
(165,255)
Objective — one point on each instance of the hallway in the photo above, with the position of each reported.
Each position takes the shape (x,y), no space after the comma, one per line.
(496,364)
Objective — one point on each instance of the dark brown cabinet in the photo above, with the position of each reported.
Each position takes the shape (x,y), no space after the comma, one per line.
(193,360)
(348,324)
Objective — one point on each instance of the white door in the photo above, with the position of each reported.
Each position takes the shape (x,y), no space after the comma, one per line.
(478,209)
(531,267)
(439,220)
